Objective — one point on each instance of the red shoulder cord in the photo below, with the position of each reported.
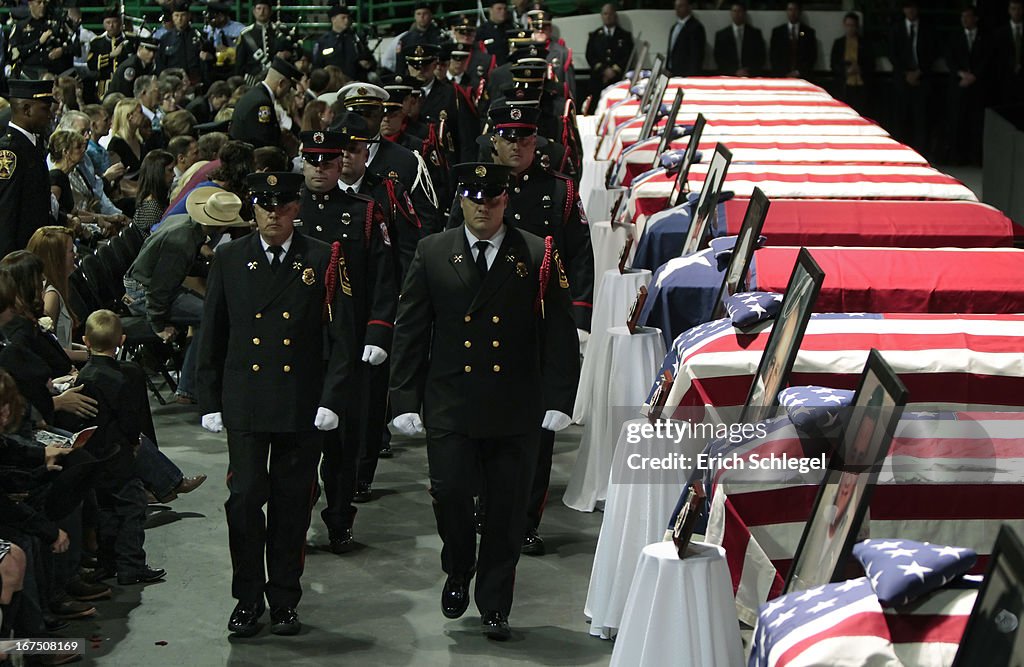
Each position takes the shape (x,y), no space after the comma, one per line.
(543,275)
(389,185)
(566,119)
(570,199)
(368,228)
(431,139)
(331,280)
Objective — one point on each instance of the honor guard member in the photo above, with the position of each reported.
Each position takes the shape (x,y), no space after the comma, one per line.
(342,47)
(39,46)
(524,53)
(441,105)
(368,267)
(608,49)
(275,370)
(388,158)
(254,52)
(559,55)
(24,176)
(423,31)
(544,203)
(184,46)
(550,152)
(140,63)
(481,62)
(256,118)
(557,122)
(485,352)
(452,61)
(108,50)
(492,33)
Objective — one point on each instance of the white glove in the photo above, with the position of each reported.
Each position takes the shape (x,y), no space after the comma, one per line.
(584,336)
(555,420)
(408,424)
(326,420)
(374,355)
(213,422)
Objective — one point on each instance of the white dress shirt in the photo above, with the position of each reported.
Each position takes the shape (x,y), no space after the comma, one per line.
(493,243)
(285,246)
(354,187)
(31,137)
(676,30)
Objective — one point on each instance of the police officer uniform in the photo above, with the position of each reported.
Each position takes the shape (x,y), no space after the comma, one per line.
(131,68)
(255,118)
(24,177)
(101,59)
(181,48)
(275,360)
(485,348)
(607,48)
(342,49)
(255,49)
(359,224)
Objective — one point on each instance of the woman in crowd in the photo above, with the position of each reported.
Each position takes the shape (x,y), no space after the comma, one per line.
(55,247)
(155,177)
(126,139)
(67,149)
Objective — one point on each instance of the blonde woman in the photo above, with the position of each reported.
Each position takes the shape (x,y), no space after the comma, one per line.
(55,247)
(74,197)
(125,138)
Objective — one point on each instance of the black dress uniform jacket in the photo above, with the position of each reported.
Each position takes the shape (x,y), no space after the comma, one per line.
(605,51)
(24,190)
(493,38)
(461,123)
(100,59)
(264,338)
(181,48)
(254,51)
(479,356)
(786,58)
(406,230)
(402,164)
(123,80)
(255,118)
(367,251)
(32,57)
(342,49)
(546,203)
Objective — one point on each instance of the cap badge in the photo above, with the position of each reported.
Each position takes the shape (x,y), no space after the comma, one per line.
(480,171)
(318,137)
(418,51)
(515,114)
(271,180)
(362,91)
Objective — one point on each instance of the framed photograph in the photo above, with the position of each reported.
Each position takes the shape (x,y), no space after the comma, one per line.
(660,396)
(784,341)
(735,279)
(652,80)
(624,255)
(670,123)
(633,316)
(686,520)
(679,187)
(653,107)
(640,51)
(993,635)
(845,492)
(707,205)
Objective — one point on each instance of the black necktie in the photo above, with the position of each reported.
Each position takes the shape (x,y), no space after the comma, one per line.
(276,251)
(481,257)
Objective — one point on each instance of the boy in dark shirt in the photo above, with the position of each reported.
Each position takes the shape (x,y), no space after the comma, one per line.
(117,388)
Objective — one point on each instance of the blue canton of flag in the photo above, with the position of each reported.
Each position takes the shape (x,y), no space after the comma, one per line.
(747,308)
(814,407)
(900,571)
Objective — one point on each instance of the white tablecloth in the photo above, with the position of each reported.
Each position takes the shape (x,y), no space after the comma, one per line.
(621,378)
(680,612)
(597,198)
(608,240)
(610,310)
(635,515)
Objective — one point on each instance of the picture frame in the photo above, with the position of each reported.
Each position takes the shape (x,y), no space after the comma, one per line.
(633,316)
(735,278)
(659,64)
(707,205)
(686,520)
(844,494)
(640,51)
(784,341)
(993,634)
(660,396)
(670,124)
(653,107)
(679,187)
(624,255)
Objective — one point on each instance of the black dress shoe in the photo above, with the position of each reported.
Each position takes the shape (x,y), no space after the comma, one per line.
(285,621)
(533,545)
(363,493)
(495,626)
(146,575)
(245,618)
(385,451)
(455,596)
(343,542)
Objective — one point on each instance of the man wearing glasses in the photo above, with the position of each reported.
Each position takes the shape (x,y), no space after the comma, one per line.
(485,312)
(277,322)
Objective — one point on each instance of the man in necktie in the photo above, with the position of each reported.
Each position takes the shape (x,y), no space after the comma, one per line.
(912,52)
(969,57)
(794,45)
(739,47)
(1009,56)
(608,50)
(485,352)
(276,357)
(686,43)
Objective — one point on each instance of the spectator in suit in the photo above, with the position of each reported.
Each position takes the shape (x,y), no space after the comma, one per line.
(969,58)
(686,40)
(794,45)
(1009,56)
(852,65)
(739,48)
(912,54)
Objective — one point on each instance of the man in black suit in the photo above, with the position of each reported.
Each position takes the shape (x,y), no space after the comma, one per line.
(1009,56)
(608,49)
(276,353)
(969,58)
(485,347)
(739,48)
(255,118)
(912,52)
(686,41)
(794,45)
(24,178)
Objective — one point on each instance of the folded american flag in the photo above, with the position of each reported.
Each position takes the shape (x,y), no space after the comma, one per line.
(814,407)
(747,308)
(903,570)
